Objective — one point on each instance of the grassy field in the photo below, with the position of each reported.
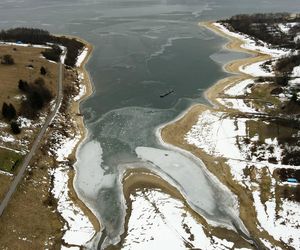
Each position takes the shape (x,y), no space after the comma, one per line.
(27,64)
(9,160)
(29,219)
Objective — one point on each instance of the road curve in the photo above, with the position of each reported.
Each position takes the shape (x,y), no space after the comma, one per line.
(37,140)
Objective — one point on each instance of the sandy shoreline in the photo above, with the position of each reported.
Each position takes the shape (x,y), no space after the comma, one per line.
(75,109)
(217,165)
(233,66)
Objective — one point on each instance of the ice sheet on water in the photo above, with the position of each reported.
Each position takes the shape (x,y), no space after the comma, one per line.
(191,180)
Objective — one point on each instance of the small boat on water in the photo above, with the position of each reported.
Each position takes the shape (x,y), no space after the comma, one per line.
(165,94)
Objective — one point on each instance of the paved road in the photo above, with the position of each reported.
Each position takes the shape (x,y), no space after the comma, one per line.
(36,142)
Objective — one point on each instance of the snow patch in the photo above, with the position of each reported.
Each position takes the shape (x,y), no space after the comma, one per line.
(81,57)
(283,225)
(238,104)
(253,44)
(24,122)
(66,148)
(5,137)
(82,91)
(25,45)
(216,134)
(239,88)
(79,229)
(296,72)
(256,70)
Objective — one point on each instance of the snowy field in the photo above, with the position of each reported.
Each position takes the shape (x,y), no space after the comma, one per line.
(159,221)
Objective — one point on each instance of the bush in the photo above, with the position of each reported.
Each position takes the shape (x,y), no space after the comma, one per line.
(8,111)
(286,65)
(43,71)
(52,54)
(38,95)
(23,85)
(282,80)
(15,127)
(7,60)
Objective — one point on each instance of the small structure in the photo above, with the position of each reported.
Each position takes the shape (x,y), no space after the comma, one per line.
(292,180)
(19,42)
(168,93)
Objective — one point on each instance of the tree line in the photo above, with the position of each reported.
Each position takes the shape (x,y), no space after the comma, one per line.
(39,36)
(264,27)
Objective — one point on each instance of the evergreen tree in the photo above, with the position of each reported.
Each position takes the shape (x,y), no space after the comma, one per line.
(8,111)
(43,71)
(12,111)
(15,127)
(4,109)
(23,85)
(7,60)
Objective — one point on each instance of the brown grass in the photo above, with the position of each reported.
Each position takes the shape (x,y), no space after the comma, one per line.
(4,184)
(29,220)
(11,74)
(29,214)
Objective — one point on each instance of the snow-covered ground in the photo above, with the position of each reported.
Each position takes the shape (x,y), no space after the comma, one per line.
(82,88)
(238,104)
(24,122)
(6,137)
(159,221)
(256,70)
(254,45)
(219,134)
(285,27)
(239,89)
(25,45)
(296,71)
(81,57)
(216,134)
(282,222)
(78,229)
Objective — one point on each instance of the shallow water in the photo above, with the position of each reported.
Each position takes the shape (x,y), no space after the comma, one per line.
(142,49)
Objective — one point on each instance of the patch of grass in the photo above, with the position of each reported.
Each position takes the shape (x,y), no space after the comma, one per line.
(262,96)
(265,185)
(9,160)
